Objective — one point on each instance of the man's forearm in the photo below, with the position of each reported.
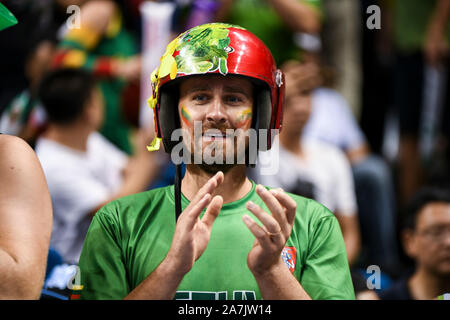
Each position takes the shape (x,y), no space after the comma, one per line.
(300,17)
(161,284)
(441,15)
(280,284)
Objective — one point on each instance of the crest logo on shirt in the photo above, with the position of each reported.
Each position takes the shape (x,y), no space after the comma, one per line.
(289,256)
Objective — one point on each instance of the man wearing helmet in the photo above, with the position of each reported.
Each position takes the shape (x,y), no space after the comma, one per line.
(223,79)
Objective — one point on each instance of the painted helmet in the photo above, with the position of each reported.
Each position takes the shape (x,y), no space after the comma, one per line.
(223,49)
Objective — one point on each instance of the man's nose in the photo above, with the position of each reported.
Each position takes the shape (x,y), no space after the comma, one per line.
(216,112)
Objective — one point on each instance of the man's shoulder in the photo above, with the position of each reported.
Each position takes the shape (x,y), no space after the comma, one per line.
(310,209)
(131,205)
(97,140)
(53,153)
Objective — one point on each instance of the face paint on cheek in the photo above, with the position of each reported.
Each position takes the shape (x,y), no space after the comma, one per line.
(244,118)
(186,116)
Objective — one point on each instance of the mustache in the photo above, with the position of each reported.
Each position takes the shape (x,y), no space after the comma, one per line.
(217,127)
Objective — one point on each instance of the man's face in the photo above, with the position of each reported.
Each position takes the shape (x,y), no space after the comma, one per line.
(429,243)
(94,112)
(297,111)
(213,105)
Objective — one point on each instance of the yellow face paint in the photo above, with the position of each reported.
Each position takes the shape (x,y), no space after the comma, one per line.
(244,118)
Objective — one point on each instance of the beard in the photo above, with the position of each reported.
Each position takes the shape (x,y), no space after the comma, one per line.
(215,157)
(212,169)
(228,149)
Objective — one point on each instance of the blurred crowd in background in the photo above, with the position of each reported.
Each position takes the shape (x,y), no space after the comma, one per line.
(366,127)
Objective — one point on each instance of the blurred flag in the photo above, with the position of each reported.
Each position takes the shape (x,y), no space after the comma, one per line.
(7,19)
(156,25)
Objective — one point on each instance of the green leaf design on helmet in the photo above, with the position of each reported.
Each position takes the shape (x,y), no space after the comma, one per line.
(204,49)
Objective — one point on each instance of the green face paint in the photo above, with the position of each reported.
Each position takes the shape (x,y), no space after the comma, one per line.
(186,116)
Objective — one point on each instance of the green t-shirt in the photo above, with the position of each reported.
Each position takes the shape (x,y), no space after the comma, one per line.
(260,18)
(129,238)
(411,20)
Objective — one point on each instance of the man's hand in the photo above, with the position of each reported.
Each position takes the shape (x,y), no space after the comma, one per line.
(189,242)
(435,47)
(128,69)
(300,77)
(271,238)
(192,233)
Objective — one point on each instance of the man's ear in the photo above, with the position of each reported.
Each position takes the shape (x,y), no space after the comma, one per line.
(409,242)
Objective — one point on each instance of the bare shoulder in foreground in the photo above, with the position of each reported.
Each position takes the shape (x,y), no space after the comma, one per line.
(25,220)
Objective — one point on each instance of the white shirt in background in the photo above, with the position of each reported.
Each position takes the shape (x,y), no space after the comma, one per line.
(78,183)
(332,121)
(324,172)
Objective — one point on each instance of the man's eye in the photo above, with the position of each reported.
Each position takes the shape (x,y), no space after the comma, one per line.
(306,92)
(200,97)
(233,99)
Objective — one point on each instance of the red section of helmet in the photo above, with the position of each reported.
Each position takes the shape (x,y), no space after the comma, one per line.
(251,57)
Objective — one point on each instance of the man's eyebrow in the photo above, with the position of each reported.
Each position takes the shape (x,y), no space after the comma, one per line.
(236,89)
(197,88)
(227,89)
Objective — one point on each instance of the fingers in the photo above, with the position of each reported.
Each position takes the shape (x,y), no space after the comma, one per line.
(202,199)
(271,232)
(275,208)
(192,215)
(266,219)
(287,202)
(208,187)
(259,233)
(282,207)
(212,211)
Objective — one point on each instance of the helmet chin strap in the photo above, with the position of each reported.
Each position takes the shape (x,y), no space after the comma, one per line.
(177,191)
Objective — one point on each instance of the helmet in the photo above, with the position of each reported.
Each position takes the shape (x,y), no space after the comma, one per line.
(223,49)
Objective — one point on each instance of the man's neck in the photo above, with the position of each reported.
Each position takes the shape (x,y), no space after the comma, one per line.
(71,136)
(425,285)
(291,142)
(235,185)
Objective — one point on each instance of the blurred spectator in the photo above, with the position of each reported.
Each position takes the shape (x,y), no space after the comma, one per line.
(275,22)
(84,171)
(332,121)
(24,116)
(30,57)
(421,35)
(311,168)
(25,221)
(17,43)
(103,46)
(426,239)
